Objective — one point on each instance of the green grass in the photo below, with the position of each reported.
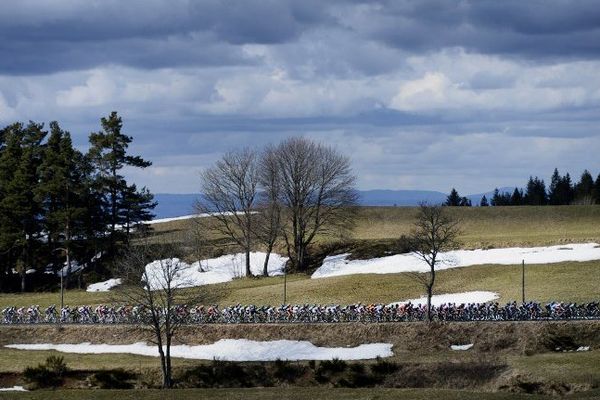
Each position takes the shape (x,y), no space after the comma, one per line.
(273,393)
(570,281)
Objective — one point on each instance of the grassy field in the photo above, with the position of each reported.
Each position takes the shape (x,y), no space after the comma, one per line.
(572,281)
(482,227)
(276,394)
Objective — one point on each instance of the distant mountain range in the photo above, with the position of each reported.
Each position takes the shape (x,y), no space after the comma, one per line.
(175,205)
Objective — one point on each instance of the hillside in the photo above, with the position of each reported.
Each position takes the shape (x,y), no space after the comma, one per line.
(482,227)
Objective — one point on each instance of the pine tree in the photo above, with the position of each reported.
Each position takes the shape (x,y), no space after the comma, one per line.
(135,207)
(108,154)
(554,190)
(61,192)
(583,189)
(517,197)
(20,213)
(535,194)
(453,199)
(484,202)
(596,191)
(566,190)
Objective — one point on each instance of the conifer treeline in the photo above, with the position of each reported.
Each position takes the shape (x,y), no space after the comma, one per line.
(58,205)
(562,191)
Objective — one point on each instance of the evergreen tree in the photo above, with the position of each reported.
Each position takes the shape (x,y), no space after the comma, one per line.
(596,191)
(517,197)
(535,194)
(20,213)
(554,189)
(135,207)
(566,192)
(453,199)
(465,202)
(108,153)
(500,199)
(484,202)
(61,192)
(584,188)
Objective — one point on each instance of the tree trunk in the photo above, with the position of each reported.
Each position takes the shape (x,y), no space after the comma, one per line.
(163,363)
(430,293)
(266,264)
(301,257)
(168,379)
(23,275)
(248,271)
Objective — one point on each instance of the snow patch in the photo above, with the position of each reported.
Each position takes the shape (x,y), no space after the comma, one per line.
(458,298)
(461,347)
(340,264)
(191,216)
(214,270)
(13,389)
(230,350)
(104,286)
(583,348)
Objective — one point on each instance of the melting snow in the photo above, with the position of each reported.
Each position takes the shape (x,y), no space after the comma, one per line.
(340,265)
(184,217)
(13,389)
(583,348)
(461,347)
(104,286)
(215,270)
(230,350)
(458,298)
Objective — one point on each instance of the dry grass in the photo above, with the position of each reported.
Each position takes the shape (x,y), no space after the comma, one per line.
(417,346)
(482,227)
(292,393)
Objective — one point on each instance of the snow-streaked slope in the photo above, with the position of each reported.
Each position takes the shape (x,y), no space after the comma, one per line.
(340,265)
(214,270)
(458,298)
(230,350)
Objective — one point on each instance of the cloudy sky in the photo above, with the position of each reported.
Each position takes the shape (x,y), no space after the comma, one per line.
(420,94)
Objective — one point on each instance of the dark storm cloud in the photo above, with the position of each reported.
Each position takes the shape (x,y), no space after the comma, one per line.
(49,36)
(425,94)
(523,28)
(40,37)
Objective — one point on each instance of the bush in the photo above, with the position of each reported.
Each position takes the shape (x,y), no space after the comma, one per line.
(49,374)
(222,374)
(334,366)
(113,379)
(286,371)
(383,367)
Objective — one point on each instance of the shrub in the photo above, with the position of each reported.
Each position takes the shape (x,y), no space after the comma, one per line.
(49,374)
(383,367)
(113,379)
(334,366)
(286,371)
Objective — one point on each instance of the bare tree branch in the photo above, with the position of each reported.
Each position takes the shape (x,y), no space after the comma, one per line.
(434,231)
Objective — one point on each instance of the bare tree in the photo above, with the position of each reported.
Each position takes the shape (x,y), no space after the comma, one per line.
(230,193)
(268,224)
(157,288)
(317,194)
(434,231)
